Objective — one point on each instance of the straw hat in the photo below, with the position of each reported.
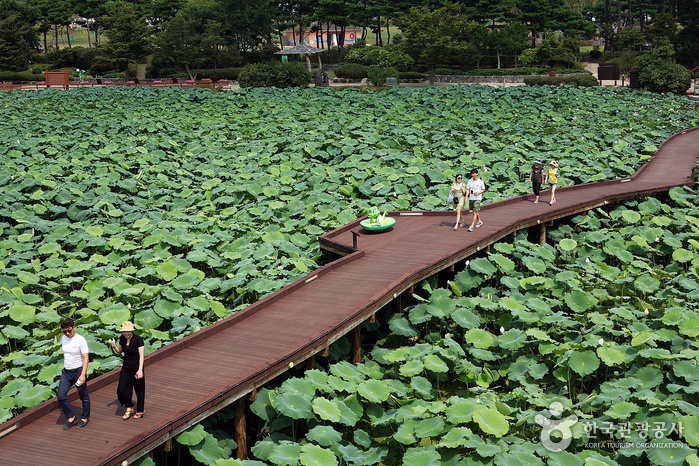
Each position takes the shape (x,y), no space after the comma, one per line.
(554,164)
(127,326)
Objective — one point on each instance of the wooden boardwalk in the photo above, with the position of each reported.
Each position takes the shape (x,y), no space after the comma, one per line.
(191,378)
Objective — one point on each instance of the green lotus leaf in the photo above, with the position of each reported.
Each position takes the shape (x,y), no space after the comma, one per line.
(534,264)
(687,370)
(28,277)
(479,338)
(49,373)
(648,377)
(584,362)
(362,438)
(567,244)
(114,315)
(406,432)
(22,313)
(188,280)
(210,450)
(483,266)
(689,325)
(622,410)
(491,421)
(347,371)
(682,255)
(668,456)
(642,338)
(293,405)
(286,453)
(646,284)
(351,410)
(352,455)
(324,436)
(33,396)
(313,455)
(690,429)
(512,339)
(505,264)
(455,437)
(191,436)
(422,386)
(465,318)
(511,304)
(579,301)
(375,391)
(12,331)
(422,456)
(49,248)
(631,216)
(401,326)
(326,409)
(167,309)
(564,458)
(302,386)
(435,364)
(15,386)
(411,368)
(430,427)
(611,355)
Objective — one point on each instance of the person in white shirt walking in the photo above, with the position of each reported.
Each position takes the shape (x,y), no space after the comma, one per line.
(76,356)
(475,189)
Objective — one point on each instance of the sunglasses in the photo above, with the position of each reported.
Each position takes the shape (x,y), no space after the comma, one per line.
(67,330)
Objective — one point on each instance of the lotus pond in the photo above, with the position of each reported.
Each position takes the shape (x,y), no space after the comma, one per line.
(175,208)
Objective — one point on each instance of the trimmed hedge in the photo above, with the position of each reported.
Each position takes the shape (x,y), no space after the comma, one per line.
(412,76)
(275,74)
(577,80)
(353,71)
(230,74)
(20,76)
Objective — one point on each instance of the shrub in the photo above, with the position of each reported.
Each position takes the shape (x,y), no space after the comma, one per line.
(595,54)
(275,74)
(20,76)
(221,73)
(377,74)
(388,56)
(352,71)
(665,76)
(75,57)
(578,80)
(412,76)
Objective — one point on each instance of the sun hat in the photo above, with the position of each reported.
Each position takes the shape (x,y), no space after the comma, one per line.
(553,163)
(538,161)
(127,326)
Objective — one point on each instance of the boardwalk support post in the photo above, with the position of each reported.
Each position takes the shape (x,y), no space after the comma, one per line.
(356,345)
(241,429)
(542,233)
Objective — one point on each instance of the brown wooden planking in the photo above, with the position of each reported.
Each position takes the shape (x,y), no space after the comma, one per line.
(240,353)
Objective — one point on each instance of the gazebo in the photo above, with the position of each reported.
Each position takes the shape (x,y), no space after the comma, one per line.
(302,49)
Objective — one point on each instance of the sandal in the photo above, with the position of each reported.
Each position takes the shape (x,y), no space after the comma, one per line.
(127,414)
(138,415)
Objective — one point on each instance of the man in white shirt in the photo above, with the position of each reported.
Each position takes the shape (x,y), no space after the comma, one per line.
(76,356)
(475,189)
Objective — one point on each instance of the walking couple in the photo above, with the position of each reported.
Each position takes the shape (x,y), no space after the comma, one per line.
(473,190)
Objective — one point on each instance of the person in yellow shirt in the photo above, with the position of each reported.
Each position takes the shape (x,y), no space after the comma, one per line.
(553,174)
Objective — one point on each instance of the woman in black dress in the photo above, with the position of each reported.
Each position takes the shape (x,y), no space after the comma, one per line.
(131,377)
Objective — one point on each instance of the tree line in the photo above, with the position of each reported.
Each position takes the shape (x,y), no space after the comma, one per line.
(186,34)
